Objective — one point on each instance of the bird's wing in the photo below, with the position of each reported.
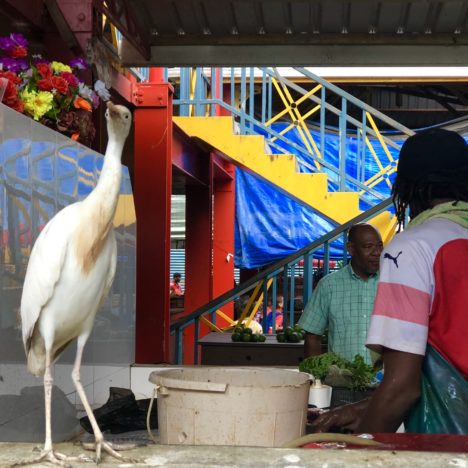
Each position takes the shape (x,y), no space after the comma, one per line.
(112,268)
(44,268)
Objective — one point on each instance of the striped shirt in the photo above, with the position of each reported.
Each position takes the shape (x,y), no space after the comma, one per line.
(422,294)
(342,302)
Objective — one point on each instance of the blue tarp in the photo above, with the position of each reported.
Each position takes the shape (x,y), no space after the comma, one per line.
(270,225)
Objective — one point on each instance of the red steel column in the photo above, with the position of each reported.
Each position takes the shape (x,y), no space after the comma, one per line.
(198,266)
(156,74)
(152,191)
(223,235)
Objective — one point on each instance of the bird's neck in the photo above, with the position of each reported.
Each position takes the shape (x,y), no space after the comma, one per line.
(106,192)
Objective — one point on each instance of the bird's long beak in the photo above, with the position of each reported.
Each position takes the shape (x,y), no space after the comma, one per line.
(112,108)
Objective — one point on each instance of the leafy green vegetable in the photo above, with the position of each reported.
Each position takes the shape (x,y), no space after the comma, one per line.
(318,365)
(362,374)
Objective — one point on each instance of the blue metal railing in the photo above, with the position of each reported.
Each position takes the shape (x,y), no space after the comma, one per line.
(250,94)
(305,115)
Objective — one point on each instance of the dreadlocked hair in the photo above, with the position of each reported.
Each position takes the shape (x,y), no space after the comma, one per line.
(451,184)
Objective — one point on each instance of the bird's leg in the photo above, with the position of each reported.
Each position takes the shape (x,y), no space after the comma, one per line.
(100,443)
(47,453)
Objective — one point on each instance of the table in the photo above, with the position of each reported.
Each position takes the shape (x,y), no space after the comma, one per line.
(218,349)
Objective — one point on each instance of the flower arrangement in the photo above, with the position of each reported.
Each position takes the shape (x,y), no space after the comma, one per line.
(49,92)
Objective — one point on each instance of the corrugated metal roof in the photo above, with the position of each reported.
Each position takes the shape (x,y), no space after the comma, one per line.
(296,32)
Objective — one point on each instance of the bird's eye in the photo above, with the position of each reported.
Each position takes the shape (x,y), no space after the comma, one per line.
(126,116)
(107,114)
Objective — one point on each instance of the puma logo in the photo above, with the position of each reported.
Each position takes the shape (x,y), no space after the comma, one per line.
(395,259)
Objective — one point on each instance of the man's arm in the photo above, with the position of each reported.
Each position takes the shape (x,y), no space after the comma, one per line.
(387,408)
(398,392)
(312,345)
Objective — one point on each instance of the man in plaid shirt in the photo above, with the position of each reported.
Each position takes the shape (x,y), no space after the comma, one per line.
(343,301)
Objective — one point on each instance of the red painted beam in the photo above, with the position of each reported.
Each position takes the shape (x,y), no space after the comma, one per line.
(152,194)
(188,158)
(74,20)
(122,85)
(198,263)
(223,229)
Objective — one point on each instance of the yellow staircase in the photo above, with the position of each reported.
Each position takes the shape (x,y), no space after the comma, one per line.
(248,152)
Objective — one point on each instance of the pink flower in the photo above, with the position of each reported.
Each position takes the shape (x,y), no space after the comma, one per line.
(70,78)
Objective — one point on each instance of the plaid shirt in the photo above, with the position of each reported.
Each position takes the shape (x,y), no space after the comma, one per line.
(342,302)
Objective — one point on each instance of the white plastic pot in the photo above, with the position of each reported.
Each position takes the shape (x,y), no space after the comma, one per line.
(231,406)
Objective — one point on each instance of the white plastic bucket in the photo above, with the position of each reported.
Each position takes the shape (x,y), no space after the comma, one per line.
(231,406)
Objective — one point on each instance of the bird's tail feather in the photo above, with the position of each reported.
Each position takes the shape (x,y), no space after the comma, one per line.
(36,358)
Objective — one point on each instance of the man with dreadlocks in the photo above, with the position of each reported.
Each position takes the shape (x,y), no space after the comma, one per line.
(420,321)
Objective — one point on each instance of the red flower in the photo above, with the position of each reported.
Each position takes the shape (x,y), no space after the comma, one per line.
(10,76)
(45,85)
(59,84)
(16,104)
(70,78)
(18,52)
(10,98)
(10,92)
(55,82)
(44,70)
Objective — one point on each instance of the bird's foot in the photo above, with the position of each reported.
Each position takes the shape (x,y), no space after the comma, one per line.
(112,449)
(56,458)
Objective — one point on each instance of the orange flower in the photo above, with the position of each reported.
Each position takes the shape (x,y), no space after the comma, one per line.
(81,103)
(75,136)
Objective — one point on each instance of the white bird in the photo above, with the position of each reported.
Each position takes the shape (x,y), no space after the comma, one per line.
(70,272)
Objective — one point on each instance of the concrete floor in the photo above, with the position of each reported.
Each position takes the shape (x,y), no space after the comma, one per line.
(210,456)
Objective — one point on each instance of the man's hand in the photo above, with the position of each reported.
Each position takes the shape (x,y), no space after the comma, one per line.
(345,418)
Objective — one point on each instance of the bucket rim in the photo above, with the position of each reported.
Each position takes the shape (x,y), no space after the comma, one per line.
(169,376)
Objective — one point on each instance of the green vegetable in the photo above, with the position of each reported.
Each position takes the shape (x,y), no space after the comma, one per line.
(362,374)
(236,337)
(318,365)
(281,337)
(294,337)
